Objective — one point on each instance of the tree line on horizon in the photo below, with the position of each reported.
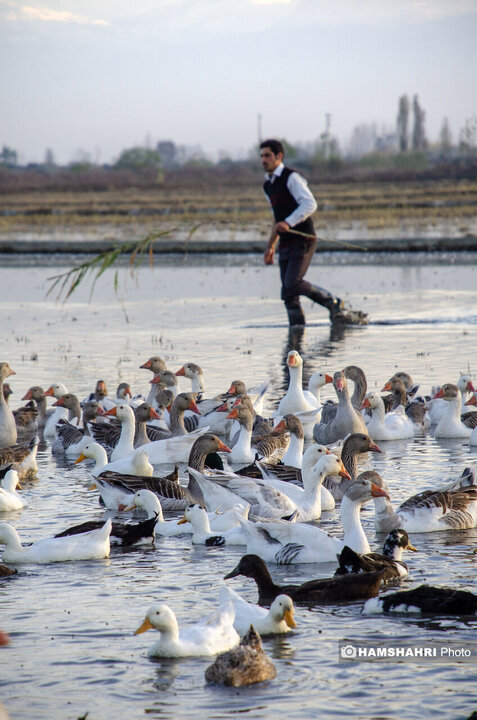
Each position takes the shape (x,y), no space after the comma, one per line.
(404,148)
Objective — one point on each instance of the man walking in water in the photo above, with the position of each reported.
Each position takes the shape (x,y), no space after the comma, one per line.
(293,204)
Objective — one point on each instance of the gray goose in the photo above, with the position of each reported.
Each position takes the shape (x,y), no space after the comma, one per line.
(347,419)
(355,444)
(358,378)
(154,364)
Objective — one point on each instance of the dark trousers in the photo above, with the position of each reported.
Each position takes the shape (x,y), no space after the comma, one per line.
(294,259)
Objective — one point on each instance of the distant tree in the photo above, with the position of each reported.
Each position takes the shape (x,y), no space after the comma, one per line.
(363,140)
(419,141)
(8,157)
(290,150)
(445,138)
(468,136)
(167,152)
(139,158)
(49,158)
(403,123)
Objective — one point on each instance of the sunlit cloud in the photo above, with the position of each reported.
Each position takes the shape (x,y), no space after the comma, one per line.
(40,13)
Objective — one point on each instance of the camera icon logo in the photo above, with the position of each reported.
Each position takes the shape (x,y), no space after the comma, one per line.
(348,652)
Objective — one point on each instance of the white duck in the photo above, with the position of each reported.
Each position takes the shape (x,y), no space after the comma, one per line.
(277,620)
(92,545)
(9,498)
(135,464)
(451,425)
(218,522)
(55,390)
(437,407)
(394,425)
(214,634)
(284,542)
(202,533)
(454,508)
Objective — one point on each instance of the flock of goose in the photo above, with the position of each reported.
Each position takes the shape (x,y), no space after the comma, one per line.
(288,469)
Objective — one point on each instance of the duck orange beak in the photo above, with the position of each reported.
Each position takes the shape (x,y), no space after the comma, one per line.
(147,625)
(80,458)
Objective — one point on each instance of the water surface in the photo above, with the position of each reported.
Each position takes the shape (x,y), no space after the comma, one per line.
(72,647)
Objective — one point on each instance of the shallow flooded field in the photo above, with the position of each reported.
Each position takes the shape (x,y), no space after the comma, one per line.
(72,649)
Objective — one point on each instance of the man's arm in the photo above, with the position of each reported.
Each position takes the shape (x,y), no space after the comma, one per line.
(307,205)
(269,254)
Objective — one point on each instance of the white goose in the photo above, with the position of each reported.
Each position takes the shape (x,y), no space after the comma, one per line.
(294,399)
(394,425)
(8,428)
(9,498)
(135,464)
(454,508)
(174,449)
(214,634)
(92,545)
(194,373)
(437,407)
(277,620)
(55,390)
(125,445)
(451,425)
(284,542)
(312,498)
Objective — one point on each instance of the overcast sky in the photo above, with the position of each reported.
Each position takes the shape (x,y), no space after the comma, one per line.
(99,76)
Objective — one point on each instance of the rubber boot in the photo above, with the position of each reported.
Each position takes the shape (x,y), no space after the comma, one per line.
(321,296)
(295,316)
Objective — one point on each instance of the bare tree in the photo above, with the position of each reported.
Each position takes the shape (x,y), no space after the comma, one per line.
(445,138)
(419,141)
(403,123)
(468,136)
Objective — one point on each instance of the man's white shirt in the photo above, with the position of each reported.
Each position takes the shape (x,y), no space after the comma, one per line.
(298,187)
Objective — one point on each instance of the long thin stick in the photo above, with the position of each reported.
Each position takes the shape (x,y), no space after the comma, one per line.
(338,242)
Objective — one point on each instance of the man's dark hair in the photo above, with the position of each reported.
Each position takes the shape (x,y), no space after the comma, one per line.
(274,145)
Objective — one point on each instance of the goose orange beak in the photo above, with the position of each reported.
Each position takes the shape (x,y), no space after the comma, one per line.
(233,413)
(378,492)
(111,411)
(223,447)
(181,372)
(387,386)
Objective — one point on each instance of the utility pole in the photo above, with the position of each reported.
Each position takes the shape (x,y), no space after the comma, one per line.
(327,135)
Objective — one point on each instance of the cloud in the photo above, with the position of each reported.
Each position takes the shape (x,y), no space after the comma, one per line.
(40,13)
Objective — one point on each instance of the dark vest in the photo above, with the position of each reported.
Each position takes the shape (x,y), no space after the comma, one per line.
(283,204)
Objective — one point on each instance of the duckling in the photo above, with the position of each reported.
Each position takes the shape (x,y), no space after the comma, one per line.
(245,665)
